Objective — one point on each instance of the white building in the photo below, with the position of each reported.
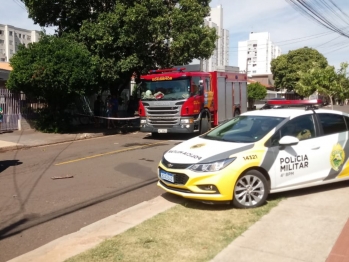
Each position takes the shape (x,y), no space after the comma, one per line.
(256,54)
(220,56)
(11,37)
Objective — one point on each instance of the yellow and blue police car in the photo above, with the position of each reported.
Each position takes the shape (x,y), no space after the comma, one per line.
(260,152)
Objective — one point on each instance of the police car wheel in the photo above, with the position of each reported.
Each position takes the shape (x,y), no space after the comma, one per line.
(251,190)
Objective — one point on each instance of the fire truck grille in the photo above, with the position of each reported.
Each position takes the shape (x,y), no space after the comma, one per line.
(163,117)
(163,110)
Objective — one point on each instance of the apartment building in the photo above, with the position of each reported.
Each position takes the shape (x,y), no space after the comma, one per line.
(256,54)
(11,37)
(220,56)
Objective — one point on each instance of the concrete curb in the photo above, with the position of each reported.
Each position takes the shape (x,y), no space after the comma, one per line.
(90,236)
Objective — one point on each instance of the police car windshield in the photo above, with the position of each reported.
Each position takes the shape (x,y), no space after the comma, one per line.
(244,129)
(175,89)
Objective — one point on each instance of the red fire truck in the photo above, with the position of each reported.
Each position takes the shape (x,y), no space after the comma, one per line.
(176,100)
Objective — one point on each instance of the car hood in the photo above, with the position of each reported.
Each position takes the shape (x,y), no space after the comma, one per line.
(200,150)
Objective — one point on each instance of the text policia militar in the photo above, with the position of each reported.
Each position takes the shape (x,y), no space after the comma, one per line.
(293,163)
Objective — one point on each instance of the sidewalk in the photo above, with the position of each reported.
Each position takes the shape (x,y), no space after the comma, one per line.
(31,138)
(310,225)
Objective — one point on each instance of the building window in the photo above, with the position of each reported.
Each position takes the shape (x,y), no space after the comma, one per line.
(10,33)
(1,41)
(254,45)
(11,51)
(2,59)
(1,32)
(20,35)
(254,64)
(10,42)
(28,37)
(23,36)
(254,71)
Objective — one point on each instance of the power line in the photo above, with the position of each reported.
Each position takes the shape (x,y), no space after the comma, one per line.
(306,38)
(345,46)
(19,4)
(306,8)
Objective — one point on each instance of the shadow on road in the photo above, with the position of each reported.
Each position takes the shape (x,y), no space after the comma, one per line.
(8,163)
(26,223)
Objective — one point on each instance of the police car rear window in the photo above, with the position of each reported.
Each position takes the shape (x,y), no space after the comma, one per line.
(332,123)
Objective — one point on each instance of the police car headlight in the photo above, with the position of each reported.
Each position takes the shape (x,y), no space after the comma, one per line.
(213,166)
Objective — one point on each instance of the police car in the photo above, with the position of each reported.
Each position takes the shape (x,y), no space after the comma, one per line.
(260,152)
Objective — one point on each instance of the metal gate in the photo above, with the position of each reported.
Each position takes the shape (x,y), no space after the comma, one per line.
(10,104)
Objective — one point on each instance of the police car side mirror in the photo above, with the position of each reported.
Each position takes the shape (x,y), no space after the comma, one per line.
(288,141)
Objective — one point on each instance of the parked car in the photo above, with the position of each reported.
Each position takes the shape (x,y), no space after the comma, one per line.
(260,152)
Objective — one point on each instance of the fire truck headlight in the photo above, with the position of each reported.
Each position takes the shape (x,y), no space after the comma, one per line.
(143,121)
(187,121)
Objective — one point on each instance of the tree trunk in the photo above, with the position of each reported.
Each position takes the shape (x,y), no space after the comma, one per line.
(331,101)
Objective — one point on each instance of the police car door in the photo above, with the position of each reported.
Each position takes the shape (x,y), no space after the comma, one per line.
(336,147)
(296,165)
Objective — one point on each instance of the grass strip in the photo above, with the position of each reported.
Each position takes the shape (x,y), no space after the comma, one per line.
(190,231)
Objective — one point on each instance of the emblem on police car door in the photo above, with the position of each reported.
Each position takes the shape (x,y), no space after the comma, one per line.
(337,157)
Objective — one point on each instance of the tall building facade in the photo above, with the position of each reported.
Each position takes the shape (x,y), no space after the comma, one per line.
(220,56)
(11,37)
(256,54)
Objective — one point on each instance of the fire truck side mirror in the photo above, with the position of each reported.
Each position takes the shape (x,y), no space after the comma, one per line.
(201,87)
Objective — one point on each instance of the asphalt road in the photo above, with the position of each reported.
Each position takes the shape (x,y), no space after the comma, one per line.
(110,174)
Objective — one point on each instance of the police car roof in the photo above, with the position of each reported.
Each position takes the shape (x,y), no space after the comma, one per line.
(288,112)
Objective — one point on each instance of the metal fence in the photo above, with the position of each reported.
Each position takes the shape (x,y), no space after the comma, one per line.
(10,104)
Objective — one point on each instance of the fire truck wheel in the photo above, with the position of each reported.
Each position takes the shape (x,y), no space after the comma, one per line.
(205,125)
(237,112)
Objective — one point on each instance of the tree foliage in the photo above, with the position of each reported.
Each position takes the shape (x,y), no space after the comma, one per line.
(140,35)
(325,81)
(255,91)
(55,69)
(66,15)
(286,68)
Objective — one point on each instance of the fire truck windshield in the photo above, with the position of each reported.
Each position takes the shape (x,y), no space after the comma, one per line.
(175,89)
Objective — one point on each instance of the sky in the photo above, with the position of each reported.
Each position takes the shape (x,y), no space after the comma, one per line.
(288,28)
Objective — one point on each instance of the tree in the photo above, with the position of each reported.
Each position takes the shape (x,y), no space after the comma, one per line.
(142,35)
(67,15)
(255,91)
(286,68)
(323,80)
(131,35)
(56,69)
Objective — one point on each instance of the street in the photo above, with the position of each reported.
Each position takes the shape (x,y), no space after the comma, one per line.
(51,191)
